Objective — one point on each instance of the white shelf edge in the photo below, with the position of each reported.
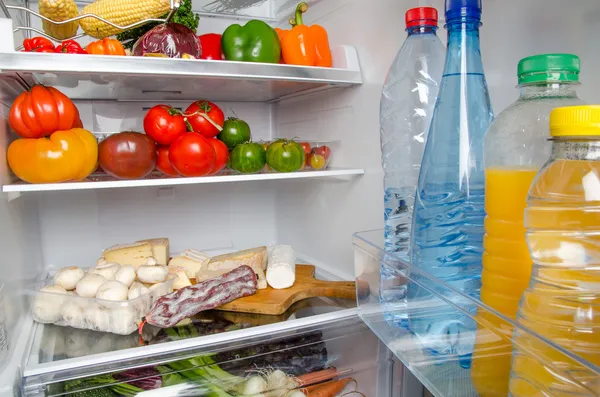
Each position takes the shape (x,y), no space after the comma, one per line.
(332,172)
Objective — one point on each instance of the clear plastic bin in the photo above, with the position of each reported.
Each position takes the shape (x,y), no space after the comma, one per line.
(443,375)
(117,317)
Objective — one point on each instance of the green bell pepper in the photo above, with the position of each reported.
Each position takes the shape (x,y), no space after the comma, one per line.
(254,42)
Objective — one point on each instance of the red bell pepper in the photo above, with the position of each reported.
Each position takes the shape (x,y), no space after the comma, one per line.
(38,44)
(70,47)
(211,46)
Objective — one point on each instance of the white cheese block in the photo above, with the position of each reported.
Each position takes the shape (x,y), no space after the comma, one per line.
(256,258)
(191,260)
(160,249)
(135,254)
(281,270)
(181,278)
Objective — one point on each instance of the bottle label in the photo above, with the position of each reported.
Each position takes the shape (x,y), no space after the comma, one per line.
(578,150)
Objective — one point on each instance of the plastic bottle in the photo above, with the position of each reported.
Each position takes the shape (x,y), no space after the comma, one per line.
(406,107)
(516,146)
(562,301)
(448,222)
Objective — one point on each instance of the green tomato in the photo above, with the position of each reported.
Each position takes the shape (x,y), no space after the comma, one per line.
(235,132)
(285,156)
(248,158)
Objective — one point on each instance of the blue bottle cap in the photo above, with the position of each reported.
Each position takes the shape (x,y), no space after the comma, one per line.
(463,8)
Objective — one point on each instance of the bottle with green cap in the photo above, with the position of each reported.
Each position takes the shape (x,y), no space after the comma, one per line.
(516,146)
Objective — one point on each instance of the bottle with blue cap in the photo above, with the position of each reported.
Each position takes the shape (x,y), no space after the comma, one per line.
(447,240)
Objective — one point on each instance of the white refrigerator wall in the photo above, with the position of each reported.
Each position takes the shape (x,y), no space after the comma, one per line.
(327,213)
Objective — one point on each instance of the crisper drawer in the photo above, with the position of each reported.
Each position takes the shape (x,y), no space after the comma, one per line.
(212,356)
(456,345)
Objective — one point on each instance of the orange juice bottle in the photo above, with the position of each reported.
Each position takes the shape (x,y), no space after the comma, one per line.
(516,146)
(562,300)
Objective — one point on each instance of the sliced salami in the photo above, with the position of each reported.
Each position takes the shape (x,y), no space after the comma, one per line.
(209,294)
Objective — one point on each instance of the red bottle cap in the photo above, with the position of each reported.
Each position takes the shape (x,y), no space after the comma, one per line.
(421,16)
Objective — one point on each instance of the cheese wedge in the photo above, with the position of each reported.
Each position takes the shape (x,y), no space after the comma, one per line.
(191,260)
(256,258)
(181,278)
(135,254)
(204,274)
(160,249)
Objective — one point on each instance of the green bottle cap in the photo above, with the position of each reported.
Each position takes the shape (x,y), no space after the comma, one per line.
(548,68)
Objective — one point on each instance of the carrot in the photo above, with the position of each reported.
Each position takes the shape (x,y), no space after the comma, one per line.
(330,389)
(317,376)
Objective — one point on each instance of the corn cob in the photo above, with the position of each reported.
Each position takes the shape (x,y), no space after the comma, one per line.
(120,12)
(59,10)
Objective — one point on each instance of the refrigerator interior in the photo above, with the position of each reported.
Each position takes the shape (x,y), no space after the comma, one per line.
(315,216)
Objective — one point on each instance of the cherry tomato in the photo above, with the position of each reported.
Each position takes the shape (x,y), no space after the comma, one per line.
(198,115)
(192,155)
(164,124)
(221,155)
(324,151)
(306,147)
(163,164)
(317,161)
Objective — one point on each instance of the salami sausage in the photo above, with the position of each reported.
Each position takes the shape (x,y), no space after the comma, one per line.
(186,302)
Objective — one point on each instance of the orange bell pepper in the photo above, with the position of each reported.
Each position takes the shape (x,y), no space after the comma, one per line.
(304,45)
(106,46)
(63,156)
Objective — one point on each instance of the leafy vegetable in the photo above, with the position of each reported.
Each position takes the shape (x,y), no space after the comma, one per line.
(184,15)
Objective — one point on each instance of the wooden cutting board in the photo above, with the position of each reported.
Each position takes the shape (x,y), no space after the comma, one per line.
(277,301)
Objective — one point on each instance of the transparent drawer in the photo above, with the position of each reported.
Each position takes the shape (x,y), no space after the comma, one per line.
(541,368)
(277,364)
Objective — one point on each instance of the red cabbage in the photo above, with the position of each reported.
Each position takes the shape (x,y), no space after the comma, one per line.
(170,39)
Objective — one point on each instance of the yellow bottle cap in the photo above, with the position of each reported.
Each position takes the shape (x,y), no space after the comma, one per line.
(575,121)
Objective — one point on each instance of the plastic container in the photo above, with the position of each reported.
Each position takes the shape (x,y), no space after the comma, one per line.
(117,317)
(449,213)
(516,146)
(562,301)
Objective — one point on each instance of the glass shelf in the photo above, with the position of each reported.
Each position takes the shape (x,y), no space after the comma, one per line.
(545,368)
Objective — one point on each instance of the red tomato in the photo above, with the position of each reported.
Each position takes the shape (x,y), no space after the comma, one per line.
(127,155)
(306,147)
(162,162)
(324,151)
(221,155)
(164,124)
(192,155)
(198,115)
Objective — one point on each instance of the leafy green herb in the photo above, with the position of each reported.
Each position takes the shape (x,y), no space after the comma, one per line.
(184,15)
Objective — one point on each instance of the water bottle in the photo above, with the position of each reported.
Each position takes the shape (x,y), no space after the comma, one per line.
(406,107)
(448,222)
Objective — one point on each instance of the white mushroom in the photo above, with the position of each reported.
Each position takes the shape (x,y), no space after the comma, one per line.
(68,277)
(47,303)
(126,275)
(112,291)
(152,274)
(151,261)
(72,313)
(97,317)
(181,279)
(88,285)
(136,290)
(123,320)
(105,269)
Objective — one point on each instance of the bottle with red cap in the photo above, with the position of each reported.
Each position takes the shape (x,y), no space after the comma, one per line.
(406,108)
